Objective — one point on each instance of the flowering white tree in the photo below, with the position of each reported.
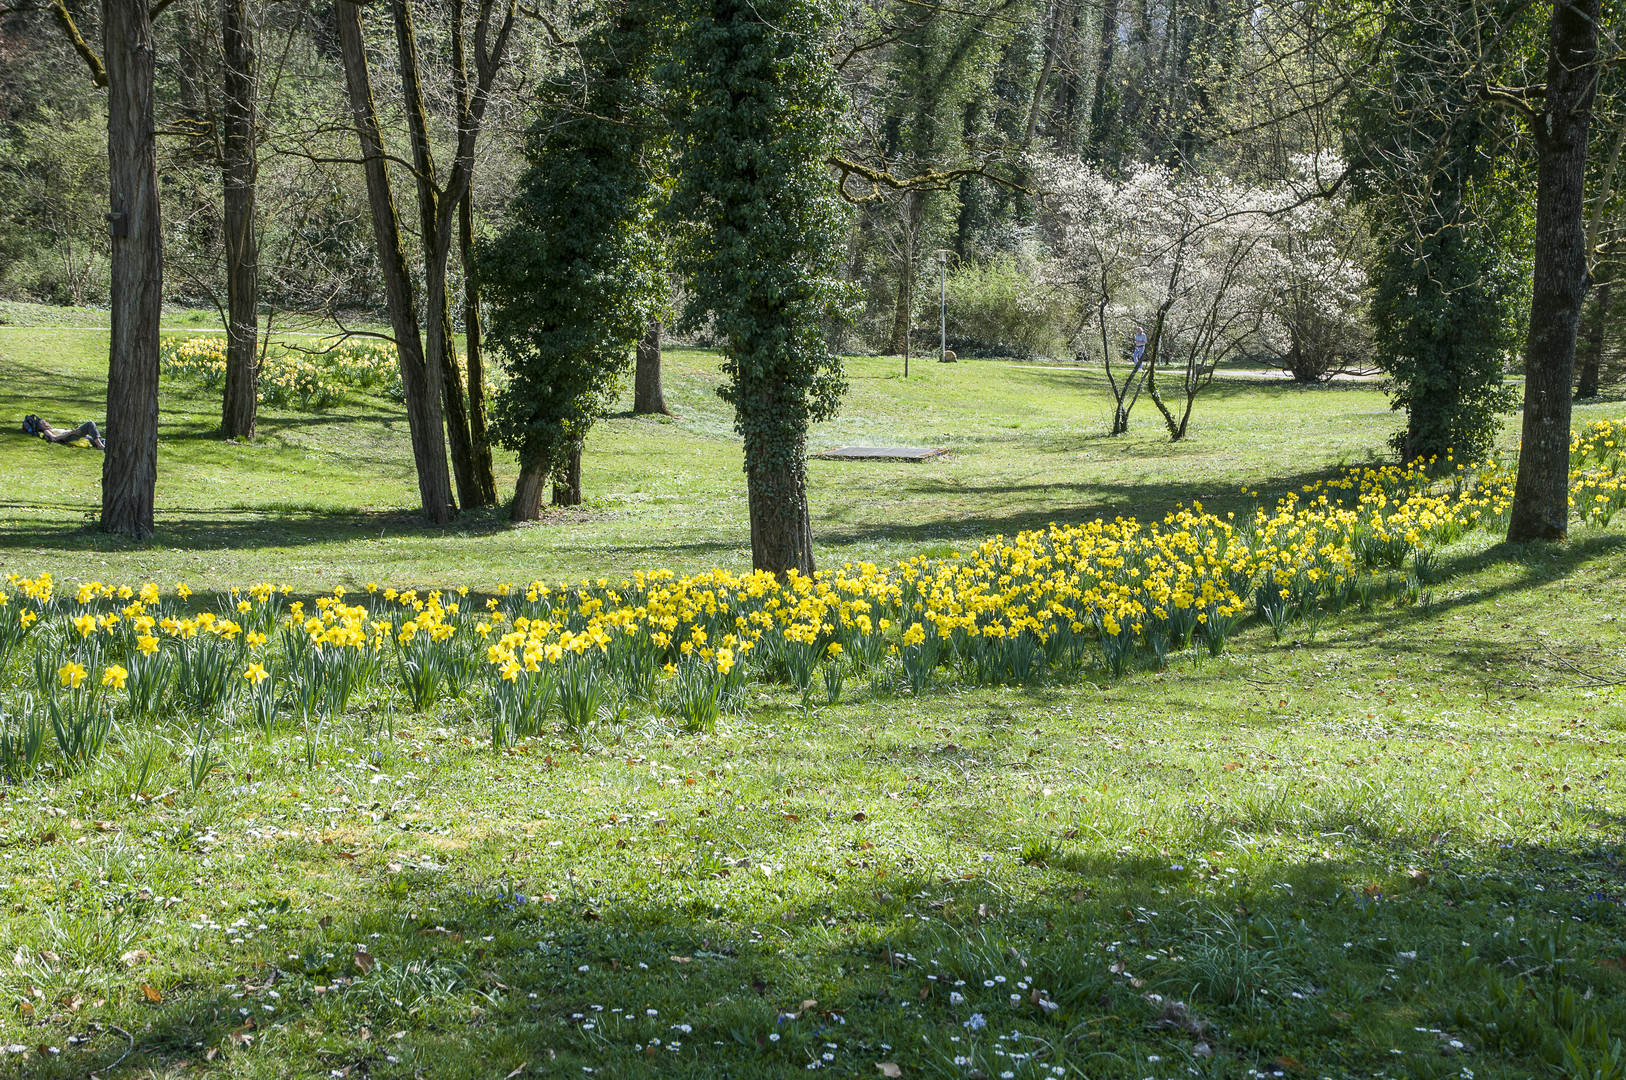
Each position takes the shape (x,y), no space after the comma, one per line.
(1312,284)
(1205,267)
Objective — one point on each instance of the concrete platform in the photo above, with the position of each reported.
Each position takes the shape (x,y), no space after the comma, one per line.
(880,453)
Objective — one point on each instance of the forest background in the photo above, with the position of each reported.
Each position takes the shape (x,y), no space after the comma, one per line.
(973,108)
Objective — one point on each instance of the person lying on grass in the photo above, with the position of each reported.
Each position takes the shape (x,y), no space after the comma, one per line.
(33,425)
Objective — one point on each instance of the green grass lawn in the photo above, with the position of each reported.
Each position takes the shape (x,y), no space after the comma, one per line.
(1391,847)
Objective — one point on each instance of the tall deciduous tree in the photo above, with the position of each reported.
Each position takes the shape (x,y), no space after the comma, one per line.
(420,381)
(759,123)
(130,466)
(438,209)
(1540,509)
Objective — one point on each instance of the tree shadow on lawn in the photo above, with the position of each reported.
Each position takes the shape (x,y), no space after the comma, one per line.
(1331,963)
(1539,564)
(1147,501)
(269,526)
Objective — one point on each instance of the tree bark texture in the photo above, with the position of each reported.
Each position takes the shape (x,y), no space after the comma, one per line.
(1586,386)
(781,532)
(130,467)
(1540,509)
(240,168)
(647,394)
(483,473)
(533,479)
(776,484)
(420,381)
(567,485)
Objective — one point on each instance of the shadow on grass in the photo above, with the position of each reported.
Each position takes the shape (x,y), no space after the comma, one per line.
(417,969)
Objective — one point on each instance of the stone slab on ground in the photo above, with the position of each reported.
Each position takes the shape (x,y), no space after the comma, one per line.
(881,453)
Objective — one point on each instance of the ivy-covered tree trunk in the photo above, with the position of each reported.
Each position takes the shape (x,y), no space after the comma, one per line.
(130,466)
(573,278)
(647,393)
(1541,494)
(776,490)
(765,238)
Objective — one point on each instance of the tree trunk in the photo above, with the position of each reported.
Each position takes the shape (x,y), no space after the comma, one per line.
(527,505)
(904,313)
(647,395)
(420,382)
(776,486)
(130,467)
(483,474)
(1587,385)
(1052,43)
(1540,509)
(439,352)
(567,485)
(240,166)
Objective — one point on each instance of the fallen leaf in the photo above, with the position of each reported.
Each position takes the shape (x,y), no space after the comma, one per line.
(363,960)
(860,816)
(150,994)
(135,958)
(808,1004)
(889,1070)
(681,959)
(325,921)
(394,867)
(212,1053)
(364,1034)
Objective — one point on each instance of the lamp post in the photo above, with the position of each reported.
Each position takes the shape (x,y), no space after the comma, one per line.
(942,266)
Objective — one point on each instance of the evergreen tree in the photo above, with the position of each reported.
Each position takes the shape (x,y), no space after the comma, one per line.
(759,122)
(573,279)
(1439,184)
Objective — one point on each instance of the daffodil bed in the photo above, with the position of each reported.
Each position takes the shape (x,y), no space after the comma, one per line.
(1212,796)
(1106,595)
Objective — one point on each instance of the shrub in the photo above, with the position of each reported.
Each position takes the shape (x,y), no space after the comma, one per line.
(1000,307)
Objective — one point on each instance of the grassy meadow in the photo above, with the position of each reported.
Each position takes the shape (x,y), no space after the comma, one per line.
(1387,843)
